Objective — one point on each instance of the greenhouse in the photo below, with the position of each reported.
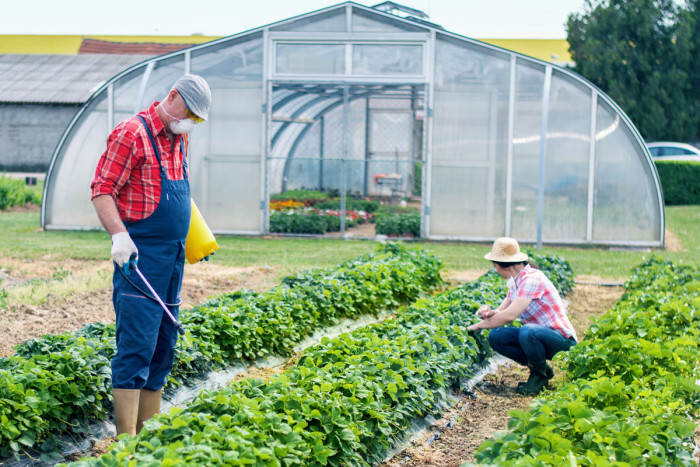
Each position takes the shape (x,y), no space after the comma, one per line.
(378,104)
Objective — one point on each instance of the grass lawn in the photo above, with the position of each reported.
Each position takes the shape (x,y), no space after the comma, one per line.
(22,238)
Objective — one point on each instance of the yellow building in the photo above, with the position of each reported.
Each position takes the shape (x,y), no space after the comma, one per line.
(551,50)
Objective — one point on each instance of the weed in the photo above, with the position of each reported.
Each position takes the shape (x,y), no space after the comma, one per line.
(60,274)
(3,299)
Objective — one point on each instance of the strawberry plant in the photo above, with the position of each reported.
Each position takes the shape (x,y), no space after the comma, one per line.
(61,383)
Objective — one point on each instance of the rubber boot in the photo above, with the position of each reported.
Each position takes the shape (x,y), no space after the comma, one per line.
(149,405)
(126,410)
(537,381)
(549,373)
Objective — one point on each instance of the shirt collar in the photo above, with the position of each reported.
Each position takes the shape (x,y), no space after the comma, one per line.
(521,274)
(156,123)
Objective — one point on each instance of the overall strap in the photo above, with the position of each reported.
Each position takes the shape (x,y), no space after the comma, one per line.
(184,157)
(153,142)
(157,153)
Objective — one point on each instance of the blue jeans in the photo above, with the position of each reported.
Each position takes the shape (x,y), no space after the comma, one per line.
(529,344)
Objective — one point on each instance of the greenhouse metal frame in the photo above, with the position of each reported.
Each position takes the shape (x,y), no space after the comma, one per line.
(487,141)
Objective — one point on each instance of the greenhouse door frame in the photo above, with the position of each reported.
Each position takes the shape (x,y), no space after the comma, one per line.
(329,96)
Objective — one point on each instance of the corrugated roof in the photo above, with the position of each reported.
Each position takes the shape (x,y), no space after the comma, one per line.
(95,46)
(58,79)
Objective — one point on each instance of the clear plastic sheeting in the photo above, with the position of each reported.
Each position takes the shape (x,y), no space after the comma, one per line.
(527,123)
(625,203)
(489,142)
(567,160)
(469,140)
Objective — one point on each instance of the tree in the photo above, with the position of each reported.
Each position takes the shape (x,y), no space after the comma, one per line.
(640,53)
(689,34)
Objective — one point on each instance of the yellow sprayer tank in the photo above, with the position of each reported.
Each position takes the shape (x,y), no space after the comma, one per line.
(200,241)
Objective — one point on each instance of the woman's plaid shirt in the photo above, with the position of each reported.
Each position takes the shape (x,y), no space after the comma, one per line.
(546,307)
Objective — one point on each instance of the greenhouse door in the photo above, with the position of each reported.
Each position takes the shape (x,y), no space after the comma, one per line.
(390,154)
(338,140)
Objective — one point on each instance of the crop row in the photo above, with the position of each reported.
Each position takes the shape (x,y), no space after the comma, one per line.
(62,383)
(344,403)
(632,396)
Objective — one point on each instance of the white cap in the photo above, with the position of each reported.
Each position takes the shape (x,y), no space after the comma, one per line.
(196,94)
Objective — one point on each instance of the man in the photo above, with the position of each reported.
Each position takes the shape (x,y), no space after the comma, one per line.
(534,300)
(142,196)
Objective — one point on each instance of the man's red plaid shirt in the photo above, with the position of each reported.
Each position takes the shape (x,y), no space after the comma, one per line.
(129,171)
(546,307)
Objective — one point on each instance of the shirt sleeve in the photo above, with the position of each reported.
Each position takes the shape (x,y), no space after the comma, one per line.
(115,166)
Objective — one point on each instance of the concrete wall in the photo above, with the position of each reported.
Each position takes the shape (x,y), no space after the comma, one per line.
(29,134)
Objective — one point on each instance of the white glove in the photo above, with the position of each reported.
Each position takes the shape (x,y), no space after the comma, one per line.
(122,248)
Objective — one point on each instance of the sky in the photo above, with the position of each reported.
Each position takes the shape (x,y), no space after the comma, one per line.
(506,19)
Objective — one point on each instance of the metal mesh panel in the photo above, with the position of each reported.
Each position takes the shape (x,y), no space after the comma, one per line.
(381,132)
(361,142)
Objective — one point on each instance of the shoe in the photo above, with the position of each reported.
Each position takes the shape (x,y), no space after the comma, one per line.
(126,409)
(149,405)
(549,373)
(537,381)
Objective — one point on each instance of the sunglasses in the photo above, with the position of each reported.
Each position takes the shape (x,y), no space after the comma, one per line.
(191,115)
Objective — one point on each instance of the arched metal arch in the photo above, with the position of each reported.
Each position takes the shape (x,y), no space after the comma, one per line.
(373,91)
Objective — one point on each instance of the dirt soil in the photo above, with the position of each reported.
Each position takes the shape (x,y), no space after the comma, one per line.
(64,314)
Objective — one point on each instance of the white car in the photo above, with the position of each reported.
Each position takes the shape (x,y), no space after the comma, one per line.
(666,151)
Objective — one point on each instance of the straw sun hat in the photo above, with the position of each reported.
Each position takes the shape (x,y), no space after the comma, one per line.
(506,250)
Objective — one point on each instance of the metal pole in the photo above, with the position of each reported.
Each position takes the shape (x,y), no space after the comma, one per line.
(366,163)
(509,152)
(346,114)
(591,167)
(322,122)
(543,152)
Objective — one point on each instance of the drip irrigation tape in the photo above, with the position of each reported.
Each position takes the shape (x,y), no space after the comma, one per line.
(602,284)
(420,424)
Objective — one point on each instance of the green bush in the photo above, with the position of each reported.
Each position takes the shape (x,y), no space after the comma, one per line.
(679,181)
(298,223)
(399,224)
(14,192)
(350,205)
(333,223)
(558,270)
(417,178)
(389,209)
(306,196)
(306,223)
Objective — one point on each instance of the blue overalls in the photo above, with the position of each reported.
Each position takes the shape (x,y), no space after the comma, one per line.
(146,336)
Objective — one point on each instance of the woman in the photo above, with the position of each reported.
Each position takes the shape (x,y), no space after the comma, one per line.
(535,301)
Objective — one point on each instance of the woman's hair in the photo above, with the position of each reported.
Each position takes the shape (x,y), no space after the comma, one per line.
(507,265)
